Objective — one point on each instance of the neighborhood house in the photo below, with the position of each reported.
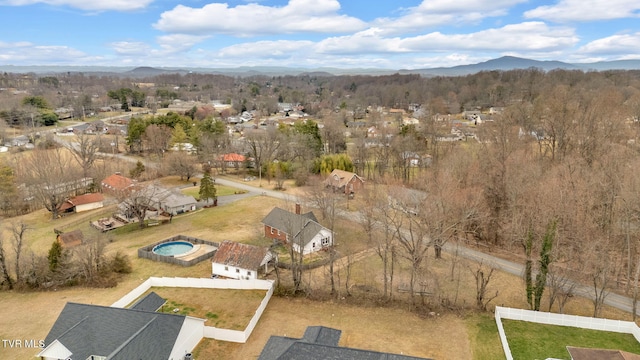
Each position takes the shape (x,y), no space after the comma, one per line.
(344,181)
(302,231)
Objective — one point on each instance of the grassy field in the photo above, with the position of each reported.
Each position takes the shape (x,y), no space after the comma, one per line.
(529,341)
(454,332)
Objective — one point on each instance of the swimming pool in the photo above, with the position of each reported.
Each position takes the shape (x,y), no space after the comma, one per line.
(173,248)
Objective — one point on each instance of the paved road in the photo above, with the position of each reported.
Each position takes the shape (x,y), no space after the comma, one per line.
(614,300)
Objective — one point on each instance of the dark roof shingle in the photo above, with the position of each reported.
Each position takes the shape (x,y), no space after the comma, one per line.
(151,302)
(115,333)
(320,343)
(301,228)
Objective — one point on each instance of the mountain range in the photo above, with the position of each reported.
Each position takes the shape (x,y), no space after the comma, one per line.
(504,63)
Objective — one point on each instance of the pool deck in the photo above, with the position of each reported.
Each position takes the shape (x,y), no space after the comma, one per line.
(201,250)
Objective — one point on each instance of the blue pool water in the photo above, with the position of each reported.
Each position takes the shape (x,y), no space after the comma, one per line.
(173,248)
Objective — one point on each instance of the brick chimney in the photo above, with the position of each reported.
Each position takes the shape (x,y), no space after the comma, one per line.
(298,208)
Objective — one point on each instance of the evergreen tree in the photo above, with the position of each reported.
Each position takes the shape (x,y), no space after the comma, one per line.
(138,170)
(207,186)
(178,135)
(55,255)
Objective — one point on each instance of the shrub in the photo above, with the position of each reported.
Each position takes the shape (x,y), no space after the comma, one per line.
(121,264)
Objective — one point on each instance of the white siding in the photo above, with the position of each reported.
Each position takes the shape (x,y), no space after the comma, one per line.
(232,272)
(190,335)
(87,207)
(317,241)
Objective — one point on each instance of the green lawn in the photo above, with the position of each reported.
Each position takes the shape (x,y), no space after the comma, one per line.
(539,341)
(483,334)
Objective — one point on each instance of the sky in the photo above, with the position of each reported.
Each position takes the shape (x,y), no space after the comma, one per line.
(385,34)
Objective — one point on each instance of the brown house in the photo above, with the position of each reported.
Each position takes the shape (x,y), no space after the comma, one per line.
(71,239)
(344,181)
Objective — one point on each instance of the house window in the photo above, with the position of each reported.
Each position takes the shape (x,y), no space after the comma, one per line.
(313,245)
(325,241)
(249,273)
(226,268)
(271,231)
(238,271)
(278,232)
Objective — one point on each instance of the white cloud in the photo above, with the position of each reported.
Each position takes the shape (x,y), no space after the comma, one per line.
(431,13)
(130,48)
(528,36)
(616,44)
(267,49)
(178,42)
(462,6)
(29,54)
(311,16)
(586,10)
(18,44)
(88,5)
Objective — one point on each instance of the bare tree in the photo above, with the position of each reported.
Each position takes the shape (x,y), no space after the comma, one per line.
(263,145)
(411,232)
(51,178)
(483,278)
(561,288)
(138,201)
(181,163)
(156,139)
(600,277)
(327,202)
(6,278)
(90,260)
(18,231)
(85,151)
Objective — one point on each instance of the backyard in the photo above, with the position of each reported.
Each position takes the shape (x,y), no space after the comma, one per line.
(536,341)
(222,308)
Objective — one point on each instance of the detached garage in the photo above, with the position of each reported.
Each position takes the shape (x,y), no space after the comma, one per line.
(87,202)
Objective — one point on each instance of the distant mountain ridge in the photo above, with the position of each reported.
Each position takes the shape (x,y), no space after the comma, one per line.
(504,63)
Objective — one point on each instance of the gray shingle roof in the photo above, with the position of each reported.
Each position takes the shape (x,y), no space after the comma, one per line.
(302,228)
(151,302)
(320,343)
(114,332)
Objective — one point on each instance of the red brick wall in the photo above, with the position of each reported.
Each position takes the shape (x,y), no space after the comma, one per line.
(268,233)
(355,183)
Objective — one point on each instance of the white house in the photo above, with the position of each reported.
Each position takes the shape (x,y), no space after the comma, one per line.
(240,261)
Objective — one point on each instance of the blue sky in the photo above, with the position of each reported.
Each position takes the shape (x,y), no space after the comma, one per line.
(390,34)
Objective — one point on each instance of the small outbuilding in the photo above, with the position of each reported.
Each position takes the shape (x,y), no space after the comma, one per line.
(71,239)
(240,261)
(87,202)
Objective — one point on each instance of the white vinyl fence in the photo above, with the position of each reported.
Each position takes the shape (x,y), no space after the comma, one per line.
(584,322)
(209,331)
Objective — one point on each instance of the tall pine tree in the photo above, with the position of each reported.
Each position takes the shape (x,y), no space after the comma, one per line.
(207,186)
